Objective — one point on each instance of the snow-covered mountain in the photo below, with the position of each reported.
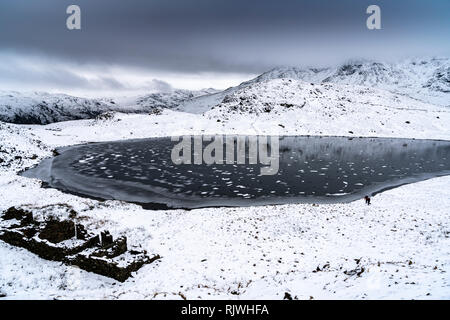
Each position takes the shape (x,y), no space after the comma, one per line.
(168,100)
(424,79)
(44,108)
(427,80)
(317,108)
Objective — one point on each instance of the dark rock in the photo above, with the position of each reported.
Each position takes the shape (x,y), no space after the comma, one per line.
(357,272)
(287,296)
(29,232)
(24,216)
(229,99)
(110,267)
(58,231)
(267,109)
(112,250)
(106,239)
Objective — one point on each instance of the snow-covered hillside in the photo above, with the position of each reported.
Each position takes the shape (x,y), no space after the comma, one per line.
(427,80)
(44,108)
(397,248)
(168,100)
(328,108)
(424,79)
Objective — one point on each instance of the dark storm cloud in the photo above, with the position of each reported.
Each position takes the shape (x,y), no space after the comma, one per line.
(221,36)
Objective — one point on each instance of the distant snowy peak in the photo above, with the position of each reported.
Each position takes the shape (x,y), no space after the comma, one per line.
(413,73)
(424,79)
(368,74)
(171,99)
(305,74)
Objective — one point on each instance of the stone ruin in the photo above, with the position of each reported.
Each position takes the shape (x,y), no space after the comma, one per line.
(72,244)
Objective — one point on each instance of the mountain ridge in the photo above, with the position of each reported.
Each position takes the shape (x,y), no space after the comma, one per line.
(423,79)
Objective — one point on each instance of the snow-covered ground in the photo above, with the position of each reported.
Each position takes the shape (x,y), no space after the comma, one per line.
(396,248)
(401,242)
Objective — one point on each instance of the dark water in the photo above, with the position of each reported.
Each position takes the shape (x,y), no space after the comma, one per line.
(311,169)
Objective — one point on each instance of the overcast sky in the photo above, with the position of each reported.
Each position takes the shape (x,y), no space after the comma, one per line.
(145,45)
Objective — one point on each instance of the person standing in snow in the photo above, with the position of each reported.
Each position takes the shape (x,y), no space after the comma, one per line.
(367,200)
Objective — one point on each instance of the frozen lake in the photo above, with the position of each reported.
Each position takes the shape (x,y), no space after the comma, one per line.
(311,169)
